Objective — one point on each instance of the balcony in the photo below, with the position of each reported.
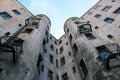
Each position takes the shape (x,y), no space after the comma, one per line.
(85,28)
(109,53)
(14,46)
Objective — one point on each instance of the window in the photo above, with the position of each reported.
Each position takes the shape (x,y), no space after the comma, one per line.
(84,69)
(66,43)
(46,33)
(28,30)
(96,27)
(85,28)
(39,62)
(16,12)
(56,42)
(107,53)
(56,51)
(70,37)
(62,61)
(65,76)
(44,42)
(74,69)
(5,15)
(42,68)
(75,47)
(52,48)
(97,16)
(57,63)
(67,30)
(97,7)
(110,36)
(69,53)
(7,33)
(51,58)
(60,41)
(109,20)
(117,11)
(90,36)
(106,8)
(45,50)
(61,49)
(50,73)
(57,77)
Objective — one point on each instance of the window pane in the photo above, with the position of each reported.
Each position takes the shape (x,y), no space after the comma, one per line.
(109,20)
(117,11)
(97,16)
(106,8)
(16,12)
(5,15)
(90,36)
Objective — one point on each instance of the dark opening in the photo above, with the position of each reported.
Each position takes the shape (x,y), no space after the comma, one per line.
(51,58)
(50,74)
(110,36)
(75,47)
(84,69)
(28,30)
(62,61)
(65,76)
(52,48)
(90,36)
(61,49)
(44,42)
(7,33)
(70,37)
(60,41)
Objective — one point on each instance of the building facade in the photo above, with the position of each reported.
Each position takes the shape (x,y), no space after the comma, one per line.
(89,49)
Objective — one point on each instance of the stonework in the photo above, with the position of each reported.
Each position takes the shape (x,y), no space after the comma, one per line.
(89,49)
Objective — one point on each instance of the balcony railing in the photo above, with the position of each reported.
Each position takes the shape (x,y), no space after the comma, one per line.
(108,52)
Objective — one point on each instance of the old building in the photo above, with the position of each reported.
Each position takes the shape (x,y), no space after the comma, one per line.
(89,49)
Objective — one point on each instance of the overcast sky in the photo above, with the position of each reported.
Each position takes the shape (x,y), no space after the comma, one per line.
(58,11)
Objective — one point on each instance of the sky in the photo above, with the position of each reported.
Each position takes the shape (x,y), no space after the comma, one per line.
(58,11)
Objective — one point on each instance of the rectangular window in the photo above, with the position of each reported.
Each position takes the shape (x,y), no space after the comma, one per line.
(57,77)
(5,15)
(117,11)
(62,61)
(52,48)
(51,58)
(109,20)
(97,16)
(65,76)
(106,8)
(90,36)
(60,41)
(97,7)
(56,51)
(74,69)
(50,73)
(61,49)
(16,12)
(57,63)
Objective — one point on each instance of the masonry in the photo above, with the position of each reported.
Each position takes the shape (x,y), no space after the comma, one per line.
(89,49)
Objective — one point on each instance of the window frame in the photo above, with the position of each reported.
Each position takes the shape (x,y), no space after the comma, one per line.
(16,12)
(106,8)
(5,15)
(108,20)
